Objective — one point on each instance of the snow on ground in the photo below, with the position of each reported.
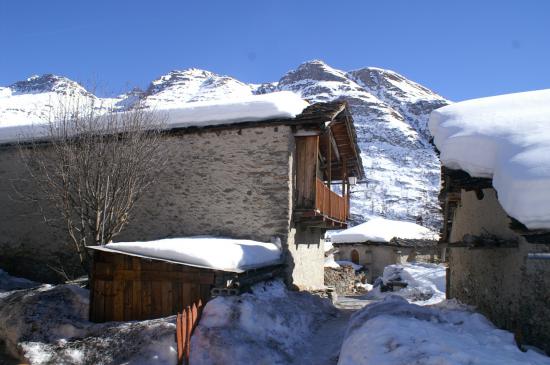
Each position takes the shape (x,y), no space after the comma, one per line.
(209,252)
(506,138)
(270,325)
(9,283)
(329,262)
(48,325)
(426,282)
(382,230)
(395,332)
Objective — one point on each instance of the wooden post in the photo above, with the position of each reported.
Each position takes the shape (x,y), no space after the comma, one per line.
(329,169)
(344,187)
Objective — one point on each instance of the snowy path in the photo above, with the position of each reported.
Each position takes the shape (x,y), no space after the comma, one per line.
(324,349)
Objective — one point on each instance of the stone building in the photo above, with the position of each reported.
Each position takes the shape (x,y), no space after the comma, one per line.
(381,242)
(495,262)
(375,256)
(496,204)
(254,179)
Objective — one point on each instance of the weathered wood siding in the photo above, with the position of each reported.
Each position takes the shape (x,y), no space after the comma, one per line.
(131,288)
(306,169)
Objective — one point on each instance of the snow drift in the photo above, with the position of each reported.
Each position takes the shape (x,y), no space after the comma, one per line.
(266,327)
(425,283)
(394,332)
(506,138)
(48,325)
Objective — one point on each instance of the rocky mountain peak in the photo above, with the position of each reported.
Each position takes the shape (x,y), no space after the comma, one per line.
(192,85)
(390,114)
(313,70)
(49,83)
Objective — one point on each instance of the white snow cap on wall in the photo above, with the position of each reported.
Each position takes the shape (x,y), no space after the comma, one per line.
(506,138)
(224,254)
(382,230)
(277,105)
(283,104)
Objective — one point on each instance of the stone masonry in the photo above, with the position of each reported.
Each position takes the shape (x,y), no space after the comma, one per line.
(235,182)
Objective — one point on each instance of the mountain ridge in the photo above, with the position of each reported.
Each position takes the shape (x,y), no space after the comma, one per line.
(389,110)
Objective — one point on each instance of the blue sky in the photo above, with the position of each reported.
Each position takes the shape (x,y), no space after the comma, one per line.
(460,49)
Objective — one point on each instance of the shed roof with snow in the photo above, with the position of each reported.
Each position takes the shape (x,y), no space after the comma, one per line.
(385,231)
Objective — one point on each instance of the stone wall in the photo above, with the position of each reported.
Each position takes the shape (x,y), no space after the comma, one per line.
(503,284)
(343,279)
(375,257)
(235,182)
(306,258)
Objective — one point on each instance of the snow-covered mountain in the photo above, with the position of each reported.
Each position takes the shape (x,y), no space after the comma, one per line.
(390,114)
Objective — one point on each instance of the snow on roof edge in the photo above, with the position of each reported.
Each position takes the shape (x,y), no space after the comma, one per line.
(505,138)
(255,108)
(238,271)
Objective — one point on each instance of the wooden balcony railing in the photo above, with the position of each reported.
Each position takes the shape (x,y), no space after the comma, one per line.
(329,203)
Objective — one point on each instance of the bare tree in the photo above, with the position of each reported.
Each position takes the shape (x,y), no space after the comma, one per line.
(93,166)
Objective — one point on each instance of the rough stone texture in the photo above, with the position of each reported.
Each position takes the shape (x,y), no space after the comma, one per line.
(375,257)
(28,246)
(512,291)
(234,182)
(343,279)
(306,258)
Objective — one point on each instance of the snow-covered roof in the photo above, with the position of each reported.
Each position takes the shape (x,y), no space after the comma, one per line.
(506,138)
(225,254)
(254,108)
(382,230)
(277,105)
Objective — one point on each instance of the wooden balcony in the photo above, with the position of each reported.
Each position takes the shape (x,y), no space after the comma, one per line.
(330,204)
(327,209)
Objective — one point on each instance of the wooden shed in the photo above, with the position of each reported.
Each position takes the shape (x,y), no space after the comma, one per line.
(125,286)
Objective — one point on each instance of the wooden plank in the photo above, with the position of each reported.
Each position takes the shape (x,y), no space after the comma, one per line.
(166,293)
(128,310)
(195,293)
(186,294)
(118,290)
(136,290)
(188,334)
(177,304)
(156,310)
(108,301)
(99,301)
(179,337)
(146,300)
(306,170)
(202,278)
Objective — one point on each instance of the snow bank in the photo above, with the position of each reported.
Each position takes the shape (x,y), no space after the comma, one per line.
(9,283)
(268,326)
(425,283)
(395,332)
(329,262)
(208,252)
(506,138)
(382,230)
(48,325)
